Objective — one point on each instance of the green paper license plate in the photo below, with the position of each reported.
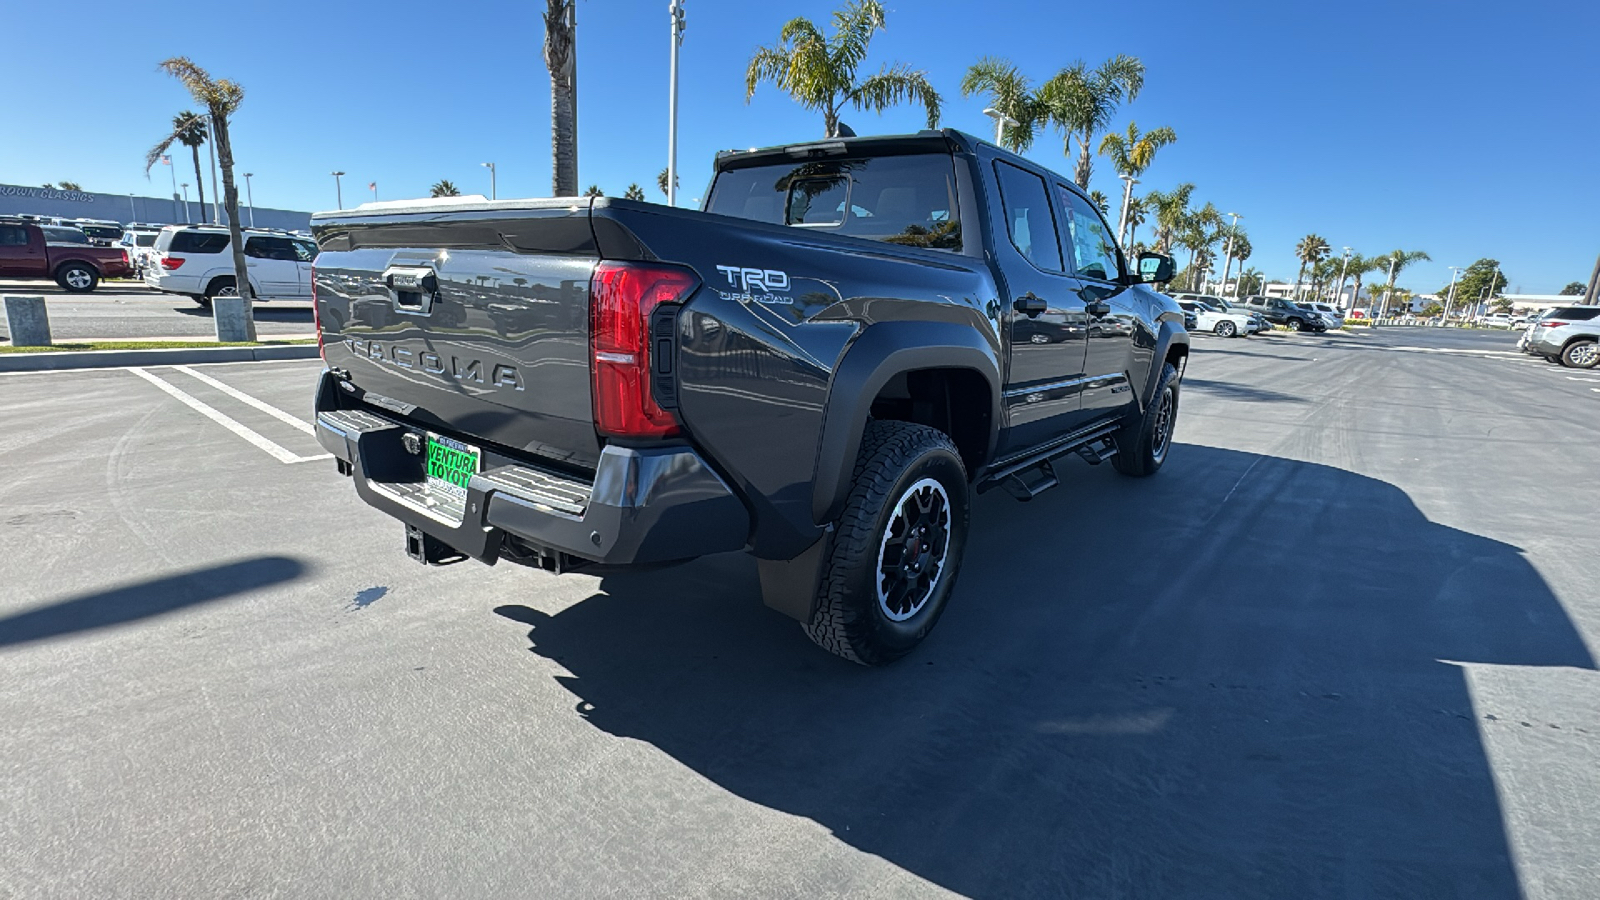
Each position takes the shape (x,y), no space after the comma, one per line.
(451,464)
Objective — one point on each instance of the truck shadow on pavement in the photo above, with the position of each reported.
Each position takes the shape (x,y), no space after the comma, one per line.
(146,599)
(1241,678)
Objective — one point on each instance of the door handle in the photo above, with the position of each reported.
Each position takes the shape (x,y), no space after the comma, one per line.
(1031,304)
(1099,309)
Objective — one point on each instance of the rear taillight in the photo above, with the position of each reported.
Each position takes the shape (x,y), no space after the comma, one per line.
(169,263)
(1553,324)
(125,258)
(622,297)
(316,315)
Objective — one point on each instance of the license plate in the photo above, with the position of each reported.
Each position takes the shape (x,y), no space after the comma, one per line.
(451,464)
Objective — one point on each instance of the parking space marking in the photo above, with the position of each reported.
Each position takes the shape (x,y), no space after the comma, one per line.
(281,454)
(248,400)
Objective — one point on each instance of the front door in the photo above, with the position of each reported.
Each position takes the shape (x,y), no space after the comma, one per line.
(305,253)
(1047,324)
(273,265)
(1092,255)
(22,252)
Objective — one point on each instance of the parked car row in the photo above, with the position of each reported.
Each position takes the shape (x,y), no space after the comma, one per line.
(29,249)
(1569,335)
(1254,314)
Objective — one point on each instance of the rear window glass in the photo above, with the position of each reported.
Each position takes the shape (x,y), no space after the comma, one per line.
(198,242)
(909,200)
(102,231)
(1574,313)
(144,240)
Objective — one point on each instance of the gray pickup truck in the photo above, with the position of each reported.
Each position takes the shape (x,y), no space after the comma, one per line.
(820,368)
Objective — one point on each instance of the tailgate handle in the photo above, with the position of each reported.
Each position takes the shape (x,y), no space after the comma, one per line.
(412,287)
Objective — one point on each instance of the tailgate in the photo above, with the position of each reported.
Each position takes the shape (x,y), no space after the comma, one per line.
(466,318)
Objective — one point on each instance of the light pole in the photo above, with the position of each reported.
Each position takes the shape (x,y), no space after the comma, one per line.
(173,171)
(1451,298)
(1001,120)
(1494,283)
(1339,293)
(675,11)
(1127,200)
(494,188)
(338,189)
(131,210)
(1384,308)
(186,219)
(1227,259)
(250,197)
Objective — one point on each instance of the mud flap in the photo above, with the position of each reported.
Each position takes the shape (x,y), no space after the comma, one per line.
(790,585)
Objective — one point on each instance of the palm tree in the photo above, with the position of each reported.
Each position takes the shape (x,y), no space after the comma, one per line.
(634,192)
(1101,202)
(221,98)
(1396,261)
(1082,102)
(1132,153)
(189,129)
(1009,94)
(1199,233)
(661,181)
(1136,215)
(820,72)
(444,187)
(594,191)
(69,186)
(1359,267)
(1237,247)
(561,58)
(1171,208)
(1312,249)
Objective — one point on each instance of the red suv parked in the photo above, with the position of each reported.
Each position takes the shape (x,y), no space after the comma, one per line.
(30,250)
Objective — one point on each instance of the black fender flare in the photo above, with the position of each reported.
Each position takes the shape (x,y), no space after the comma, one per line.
(879,353)
(1169,336)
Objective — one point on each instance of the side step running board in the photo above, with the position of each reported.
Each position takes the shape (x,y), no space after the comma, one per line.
(1033,473)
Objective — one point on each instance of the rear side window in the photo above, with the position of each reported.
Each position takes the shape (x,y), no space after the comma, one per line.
(909,200)
(13,236)
(1574,313)
(144,240)
(1029,221)
(270,248)
(57,235)
(198,242)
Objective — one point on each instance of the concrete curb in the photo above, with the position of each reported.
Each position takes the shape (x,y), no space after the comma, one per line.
(174,356)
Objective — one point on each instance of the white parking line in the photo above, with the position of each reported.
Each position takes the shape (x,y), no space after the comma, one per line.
(276,452)
(244,398)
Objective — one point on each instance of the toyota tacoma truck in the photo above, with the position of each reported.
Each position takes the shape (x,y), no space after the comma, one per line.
(31,250)
(820,367)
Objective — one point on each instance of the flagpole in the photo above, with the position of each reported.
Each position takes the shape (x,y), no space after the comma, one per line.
(173,171)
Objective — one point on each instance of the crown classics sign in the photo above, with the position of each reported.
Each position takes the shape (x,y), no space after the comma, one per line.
(11,190)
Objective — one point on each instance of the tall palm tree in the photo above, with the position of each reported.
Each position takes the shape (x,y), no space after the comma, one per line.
(1132,153)
(594,191)
(1011,95)
(1171,208)
(1236,246)
(1312,249)
(1200,232)
(1101,202)
(1358,268)
(634,192)
(189,128)
(1395,262)
(1136,217)
(69,186)
(221,98)
(1082,102)
(444,187)
(561,58)
(820,72)
(661,180)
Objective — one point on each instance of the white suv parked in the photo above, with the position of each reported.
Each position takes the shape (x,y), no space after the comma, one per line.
(195,261)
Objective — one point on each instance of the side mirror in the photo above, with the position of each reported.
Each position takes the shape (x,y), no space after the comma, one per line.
(1156,268)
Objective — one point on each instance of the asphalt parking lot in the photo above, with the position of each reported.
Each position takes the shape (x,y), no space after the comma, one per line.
(119,311)
(1343,645)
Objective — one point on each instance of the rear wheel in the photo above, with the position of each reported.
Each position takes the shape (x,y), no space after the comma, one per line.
(1581,355)
(1226,329)
(1142,444)
(897,547)
(222,286)
(77,278)
(1295,324)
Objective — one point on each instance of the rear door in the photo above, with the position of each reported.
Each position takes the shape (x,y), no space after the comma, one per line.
(1097,266)
(305,252)
(1047,324)
(273,265)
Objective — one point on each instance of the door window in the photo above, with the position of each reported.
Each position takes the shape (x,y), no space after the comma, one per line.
(305,251)
(13,236)
(270,248)
(1094,253)
(1029,221)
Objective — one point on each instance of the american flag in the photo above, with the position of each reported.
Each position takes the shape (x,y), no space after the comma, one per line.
(166,160)
(372,185)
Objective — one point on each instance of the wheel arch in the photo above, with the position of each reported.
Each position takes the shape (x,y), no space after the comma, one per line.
(926,358)
(1172,346)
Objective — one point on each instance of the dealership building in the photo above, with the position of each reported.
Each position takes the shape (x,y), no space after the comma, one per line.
(16,199)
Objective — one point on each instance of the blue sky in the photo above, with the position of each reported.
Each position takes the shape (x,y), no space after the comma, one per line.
(1465,130)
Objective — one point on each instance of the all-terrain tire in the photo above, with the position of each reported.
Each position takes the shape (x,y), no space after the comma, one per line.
(1581,355)
(904,475)
(1142,444)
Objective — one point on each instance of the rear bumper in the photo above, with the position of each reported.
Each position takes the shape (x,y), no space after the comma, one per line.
(645,505)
